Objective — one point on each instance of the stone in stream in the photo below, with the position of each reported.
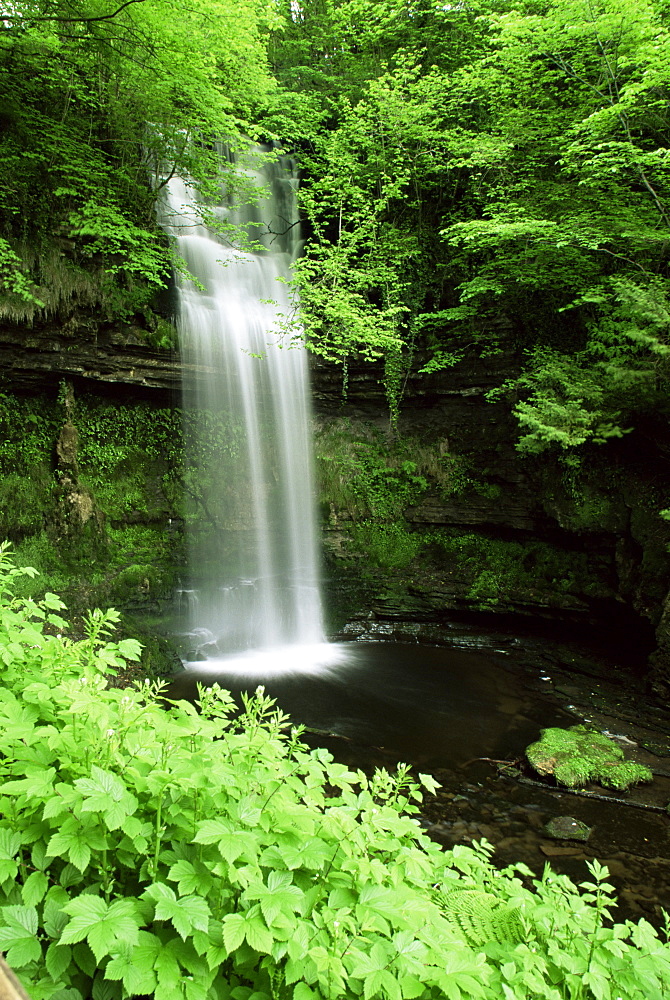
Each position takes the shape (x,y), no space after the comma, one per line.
(567,828)
(580,754)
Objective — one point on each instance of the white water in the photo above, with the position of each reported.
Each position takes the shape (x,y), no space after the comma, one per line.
(251,525)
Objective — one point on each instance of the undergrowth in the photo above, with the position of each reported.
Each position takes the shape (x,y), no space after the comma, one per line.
(155,848)
(499,568)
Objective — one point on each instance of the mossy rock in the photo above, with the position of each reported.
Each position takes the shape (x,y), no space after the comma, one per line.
(578,755)
(567,828)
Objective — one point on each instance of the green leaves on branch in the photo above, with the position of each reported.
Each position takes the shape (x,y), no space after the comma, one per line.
(103,103)
(591,396)
(476,175)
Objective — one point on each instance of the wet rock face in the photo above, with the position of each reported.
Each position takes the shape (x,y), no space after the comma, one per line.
(538,540)
(524,523)
(67,445)
(77,519)
(84,349)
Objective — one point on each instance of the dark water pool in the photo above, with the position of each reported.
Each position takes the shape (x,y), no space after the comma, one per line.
(426,705)
(443,709)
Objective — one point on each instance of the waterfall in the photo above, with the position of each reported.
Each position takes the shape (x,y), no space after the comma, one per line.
(252,539)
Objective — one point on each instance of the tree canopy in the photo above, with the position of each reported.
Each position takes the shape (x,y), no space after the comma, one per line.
(468,169)
(101,100)
(475,166)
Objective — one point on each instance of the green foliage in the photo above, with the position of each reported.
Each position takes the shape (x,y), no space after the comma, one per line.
(161,849)
(111,435)
(13,282)
(389,546)
(578,755)
(365,473)
(482,916)
(130,460)
(102,101)
(459,477)
(28,431)
(479,173)
(499,569)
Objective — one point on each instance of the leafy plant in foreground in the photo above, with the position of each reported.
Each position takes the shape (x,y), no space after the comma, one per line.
(152,848)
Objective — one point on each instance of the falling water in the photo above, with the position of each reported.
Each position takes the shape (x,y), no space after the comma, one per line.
(251,523)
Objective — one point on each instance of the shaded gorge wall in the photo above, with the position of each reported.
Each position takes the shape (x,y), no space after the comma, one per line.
(445,518)
(440,519)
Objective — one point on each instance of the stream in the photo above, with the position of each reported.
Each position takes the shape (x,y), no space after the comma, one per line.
(457,710)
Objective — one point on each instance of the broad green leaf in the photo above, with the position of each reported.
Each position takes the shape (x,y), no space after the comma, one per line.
(372,984)
(380,899)
(22,918)
(58,958)
(195,990)
(101,925)
(34,888)
(130,649)
(258,935)
(55,806)
(429,783)
(134,970)
(340,899)
(232,845)
(102,785)
(411,987)
(188,913)
(55,918)
(10,844)
(80,854)
(302,991)
(70,876)
(106,989)
(84,958)
(188,879)
(86,912)
(167,968)
(18,935)
(71,843)
(23,952)
(233,931)
(211,830)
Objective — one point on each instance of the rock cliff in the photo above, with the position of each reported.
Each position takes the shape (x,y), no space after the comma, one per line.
(440,516)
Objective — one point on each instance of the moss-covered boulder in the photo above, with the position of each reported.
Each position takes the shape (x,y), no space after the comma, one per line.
(578,755)
(567,828)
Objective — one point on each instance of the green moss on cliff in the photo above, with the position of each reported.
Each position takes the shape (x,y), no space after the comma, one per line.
(498,571)
(365,474)
(127,466)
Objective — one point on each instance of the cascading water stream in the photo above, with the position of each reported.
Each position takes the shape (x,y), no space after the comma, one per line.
(251,525)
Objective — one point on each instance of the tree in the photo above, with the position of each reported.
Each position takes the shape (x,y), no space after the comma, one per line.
(103,100)
(467,166)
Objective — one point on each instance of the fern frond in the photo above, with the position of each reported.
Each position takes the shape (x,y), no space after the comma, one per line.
(481,916)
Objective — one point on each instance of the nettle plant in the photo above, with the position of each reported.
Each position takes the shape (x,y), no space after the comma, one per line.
(156,848)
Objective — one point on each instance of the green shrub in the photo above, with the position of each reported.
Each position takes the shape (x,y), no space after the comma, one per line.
(364,473)
(389,546)
(499,568)
(152,848)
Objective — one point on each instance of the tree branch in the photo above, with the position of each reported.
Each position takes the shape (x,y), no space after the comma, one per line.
(68,20)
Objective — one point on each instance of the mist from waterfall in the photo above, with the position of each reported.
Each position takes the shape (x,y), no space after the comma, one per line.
(252,538)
